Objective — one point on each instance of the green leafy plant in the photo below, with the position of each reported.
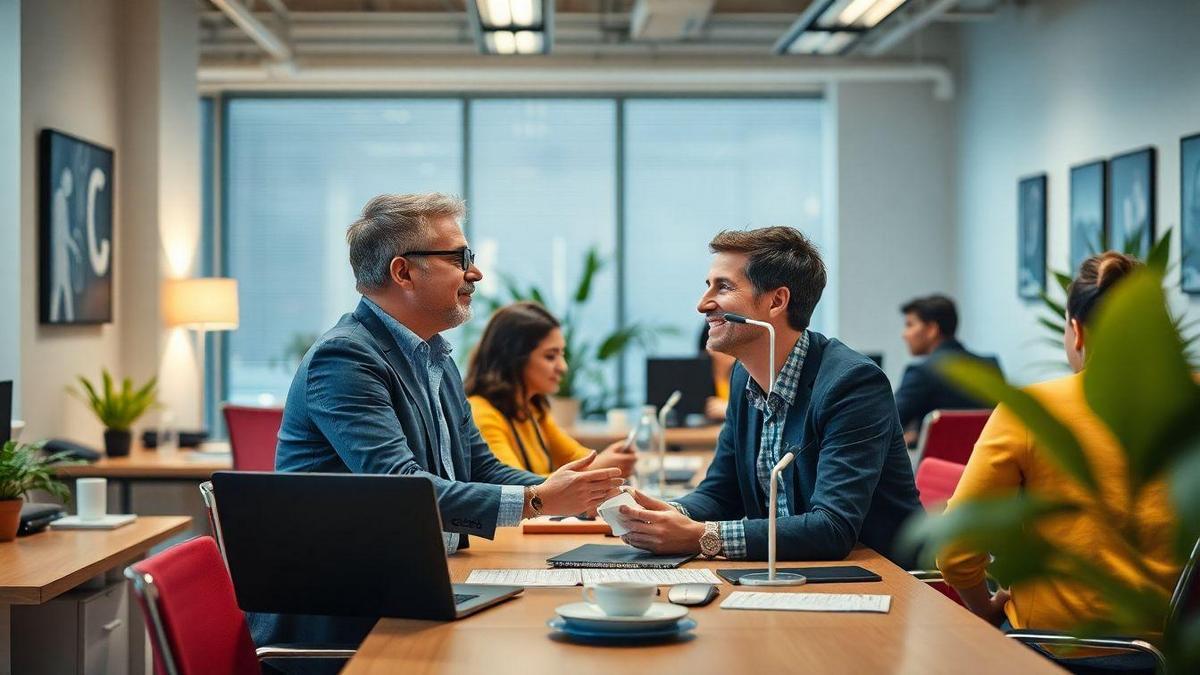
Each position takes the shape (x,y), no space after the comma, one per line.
(23,469)
(586,379)
(1139,383)
(117,409)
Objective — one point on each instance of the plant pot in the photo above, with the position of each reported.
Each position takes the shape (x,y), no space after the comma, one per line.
(565,411)
(10,518)
(116,442)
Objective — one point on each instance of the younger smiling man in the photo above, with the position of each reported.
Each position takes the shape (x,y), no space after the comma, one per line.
(851,480)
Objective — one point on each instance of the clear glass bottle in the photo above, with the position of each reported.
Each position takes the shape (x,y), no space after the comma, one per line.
(648,442)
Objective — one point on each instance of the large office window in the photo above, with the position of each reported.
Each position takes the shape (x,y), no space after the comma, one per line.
(543,186)
(692,169)
(646,182)
(298,172)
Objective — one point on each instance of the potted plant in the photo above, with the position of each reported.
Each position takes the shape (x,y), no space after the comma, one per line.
(585,387)
(117,409)
(23,469)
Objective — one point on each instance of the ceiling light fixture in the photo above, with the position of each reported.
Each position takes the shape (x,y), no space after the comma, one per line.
(831,27)
(512,26)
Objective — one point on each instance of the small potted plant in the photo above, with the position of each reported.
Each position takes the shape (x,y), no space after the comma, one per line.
(117,409)
(23,469)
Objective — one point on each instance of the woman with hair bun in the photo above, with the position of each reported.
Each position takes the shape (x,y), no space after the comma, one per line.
(1008,458)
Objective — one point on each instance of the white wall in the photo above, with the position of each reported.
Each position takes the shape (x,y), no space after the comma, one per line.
(1043,87)
(10,189)
(893,148)
(121,74)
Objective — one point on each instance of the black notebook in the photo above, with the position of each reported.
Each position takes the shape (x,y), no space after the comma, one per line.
(607,555)
(839,574)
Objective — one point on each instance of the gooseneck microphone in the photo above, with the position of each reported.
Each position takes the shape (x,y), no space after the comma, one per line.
(738,318)
(772,577)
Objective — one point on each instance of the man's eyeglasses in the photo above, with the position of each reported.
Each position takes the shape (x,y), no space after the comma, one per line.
(466,257)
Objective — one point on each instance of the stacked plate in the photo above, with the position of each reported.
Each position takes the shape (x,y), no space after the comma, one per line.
(584,622)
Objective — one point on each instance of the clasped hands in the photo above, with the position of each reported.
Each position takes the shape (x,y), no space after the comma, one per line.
(658,527)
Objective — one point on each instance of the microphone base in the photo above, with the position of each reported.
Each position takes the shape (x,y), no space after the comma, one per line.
(781,579)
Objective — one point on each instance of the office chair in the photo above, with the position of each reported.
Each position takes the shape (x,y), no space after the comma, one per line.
(1185,602)
(214,518)
(195,625)
(950,434)
(252,436)
(936,480)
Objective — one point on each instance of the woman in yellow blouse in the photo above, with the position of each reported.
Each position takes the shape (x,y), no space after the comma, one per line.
(1007,458)
(520,361)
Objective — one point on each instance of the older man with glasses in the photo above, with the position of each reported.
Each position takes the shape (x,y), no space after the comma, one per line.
(378,393)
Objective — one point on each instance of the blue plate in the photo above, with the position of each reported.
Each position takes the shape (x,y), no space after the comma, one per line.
(588,634)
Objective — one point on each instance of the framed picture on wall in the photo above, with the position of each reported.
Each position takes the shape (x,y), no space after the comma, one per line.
(76,201)
(1189,214)
(1031,236)
(1131,202)
(1089,211)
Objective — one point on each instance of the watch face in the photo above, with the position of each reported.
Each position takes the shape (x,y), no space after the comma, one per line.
(710,544)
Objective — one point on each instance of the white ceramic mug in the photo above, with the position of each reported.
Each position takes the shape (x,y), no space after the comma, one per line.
(620,598)
(91,498)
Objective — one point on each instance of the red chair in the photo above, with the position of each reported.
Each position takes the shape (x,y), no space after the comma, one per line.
(951,434)
(195,625)
(252,436)
(936,480)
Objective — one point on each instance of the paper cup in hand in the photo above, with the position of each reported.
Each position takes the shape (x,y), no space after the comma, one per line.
(610,511)
(91,498)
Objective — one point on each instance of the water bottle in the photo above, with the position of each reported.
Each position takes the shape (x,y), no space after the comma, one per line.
(648,442)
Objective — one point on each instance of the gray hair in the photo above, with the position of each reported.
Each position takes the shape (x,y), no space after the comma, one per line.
(391,225)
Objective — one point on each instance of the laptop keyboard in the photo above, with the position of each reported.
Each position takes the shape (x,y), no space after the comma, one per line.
(460,598)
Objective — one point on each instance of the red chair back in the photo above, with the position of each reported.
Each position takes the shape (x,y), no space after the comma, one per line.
(196,627)
(951,434)
(253,433)
(936,480)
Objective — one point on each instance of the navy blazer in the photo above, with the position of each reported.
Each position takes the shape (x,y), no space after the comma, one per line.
(923,390)
(851,480)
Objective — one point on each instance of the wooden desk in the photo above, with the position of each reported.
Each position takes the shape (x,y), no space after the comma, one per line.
(40,567)
(598,435)
(150,465)
(924,632)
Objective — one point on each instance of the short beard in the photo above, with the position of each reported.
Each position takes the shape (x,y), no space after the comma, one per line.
(736,335)
(458,315)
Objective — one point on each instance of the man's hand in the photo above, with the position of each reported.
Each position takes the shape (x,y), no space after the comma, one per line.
(658,527)
(576,489)
(617,455)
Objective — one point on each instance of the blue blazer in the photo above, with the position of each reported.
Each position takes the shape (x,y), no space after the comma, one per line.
(923,390)
(355,407)
(851,481)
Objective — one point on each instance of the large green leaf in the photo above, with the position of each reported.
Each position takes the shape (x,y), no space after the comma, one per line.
(1137,378)
(985,382)
(591,265)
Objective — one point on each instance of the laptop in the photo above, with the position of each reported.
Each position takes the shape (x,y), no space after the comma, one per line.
(691,376)
(341,545)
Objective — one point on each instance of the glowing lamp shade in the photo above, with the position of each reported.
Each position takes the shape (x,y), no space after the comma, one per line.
(209,303)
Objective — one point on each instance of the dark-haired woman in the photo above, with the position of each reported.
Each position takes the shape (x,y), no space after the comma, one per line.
(520,361)
(1007,458)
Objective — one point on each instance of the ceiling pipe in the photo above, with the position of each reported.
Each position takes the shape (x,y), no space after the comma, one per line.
(901,32)
(266,38)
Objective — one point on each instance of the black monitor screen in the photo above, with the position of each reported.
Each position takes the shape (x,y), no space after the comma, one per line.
(693,377)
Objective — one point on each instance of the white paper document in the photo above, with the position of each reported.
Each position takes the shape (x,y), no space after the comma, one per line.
(610,511)
(651,576)
(527,578)
(808,602)
(574,577)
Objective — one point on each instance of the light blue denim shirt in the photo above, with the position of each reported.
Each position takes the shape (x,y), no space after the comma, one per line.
(431,356)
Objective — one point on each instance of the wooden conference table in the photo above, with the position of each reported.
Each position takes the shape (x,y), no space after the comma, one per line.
(924,632)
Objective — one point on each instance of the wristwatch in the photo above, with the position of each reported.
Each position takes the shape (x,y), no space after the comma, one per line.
(535,502)
(710,541)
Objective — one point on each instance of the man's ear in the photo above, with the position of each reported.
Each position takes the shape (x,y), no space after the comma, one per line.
(780,297)
(400,272)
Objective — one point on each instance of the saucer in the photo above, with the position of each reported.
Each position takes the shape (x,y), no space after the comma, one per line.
(587,616)
(588,634)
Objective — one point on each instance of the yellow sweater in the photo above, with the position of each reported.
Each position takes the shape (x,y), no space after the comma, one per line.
(1006,459)
(494,426)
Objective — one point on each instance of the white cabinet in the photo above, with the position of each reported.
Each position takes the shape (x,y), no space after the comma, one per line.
(83,632)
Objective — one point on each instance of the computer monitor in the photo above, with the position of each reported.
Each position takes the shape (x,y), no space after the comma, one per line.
(6,402)
(691,376)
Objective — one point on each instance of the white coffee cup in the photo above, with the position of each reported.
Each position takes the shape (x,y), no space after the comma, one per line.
(91,498)
(620,598)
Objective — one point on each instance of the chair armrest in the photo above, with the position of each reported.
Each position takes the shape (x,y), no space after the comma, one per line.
(302,652)
(1120,643)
